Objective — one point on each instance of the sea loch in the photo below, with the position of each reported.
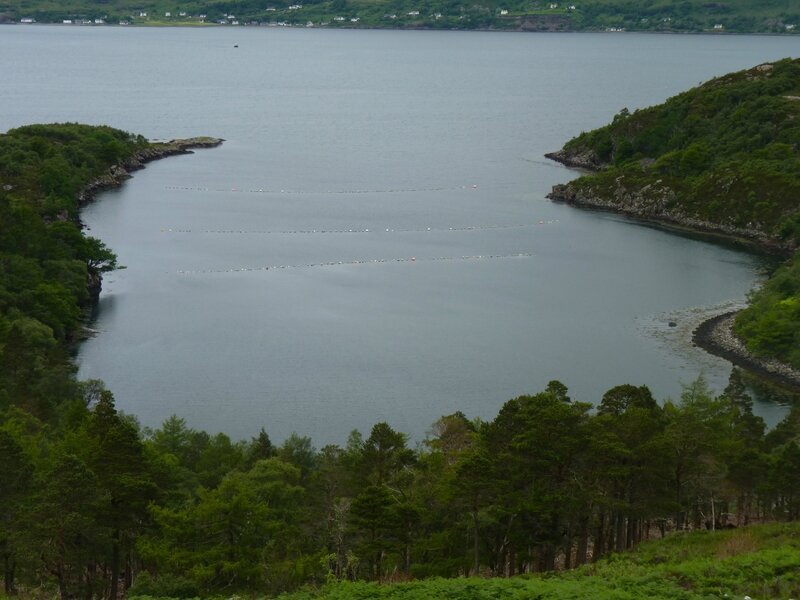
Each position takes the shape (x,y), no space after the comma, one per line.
(372,242)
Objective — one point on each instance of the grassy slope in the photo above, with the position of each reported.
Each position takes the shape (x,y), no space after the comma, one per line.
(643,15)
(760,561)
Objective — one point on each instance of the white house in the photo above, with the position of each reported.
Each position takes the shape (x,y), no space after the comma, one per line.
(503,11)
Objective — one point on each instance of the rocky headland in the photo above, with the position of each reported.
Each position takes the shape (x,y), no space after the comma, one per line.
(117,174)
(658,203)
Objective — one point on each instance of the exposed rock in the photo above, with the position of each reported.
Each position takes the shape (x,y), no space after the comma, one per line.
(119,173)
(584,160)
(716,336)
(656,202)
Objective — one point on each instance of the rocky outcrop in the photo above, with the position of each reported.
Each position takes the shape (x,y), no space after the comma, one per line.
(586,159)
(716,336)
(119,173)
(657,202)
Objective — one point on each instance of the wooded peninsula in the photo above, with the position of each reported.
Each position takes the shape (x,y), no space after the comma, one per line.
(94,506)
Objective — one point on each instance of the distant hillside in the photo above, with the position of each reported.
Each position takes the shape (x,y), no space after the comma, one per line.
(760,562)
(735,16)
(721,157)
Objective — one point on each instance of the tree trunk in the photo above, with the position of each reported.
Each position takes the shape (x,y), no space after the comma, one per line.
(112,592)
(631,533)
(62,584)
(9,568)
(599,538)
(713,515)
(619,534)
(583,542)
(476,564)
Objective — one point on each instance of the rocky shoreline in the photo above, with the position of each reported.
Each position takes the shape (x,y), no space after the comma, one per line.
(587,161)
(716,336)
(117,174)
(652,204)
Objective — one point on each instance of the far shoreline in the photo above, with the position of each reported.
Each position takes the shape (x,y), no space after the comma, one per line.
(209,25)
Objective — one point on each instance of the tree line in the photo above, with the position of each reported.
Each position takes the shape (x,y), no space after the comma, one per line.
(93,505)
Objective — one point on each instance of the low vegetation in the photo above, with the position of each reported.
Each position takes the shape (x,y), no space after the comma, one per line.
(757,561)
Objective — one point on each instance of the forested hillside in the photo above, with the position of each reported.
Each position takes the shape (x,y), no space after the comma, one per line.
(739,16)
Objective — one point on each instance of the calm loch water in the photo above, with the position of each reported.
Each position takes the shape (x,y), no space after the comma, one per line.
(373,241)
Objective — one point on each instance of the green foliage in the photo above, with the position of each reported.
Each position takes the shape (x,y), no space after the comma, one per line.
(771,324)
(46,264)
(725,153)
